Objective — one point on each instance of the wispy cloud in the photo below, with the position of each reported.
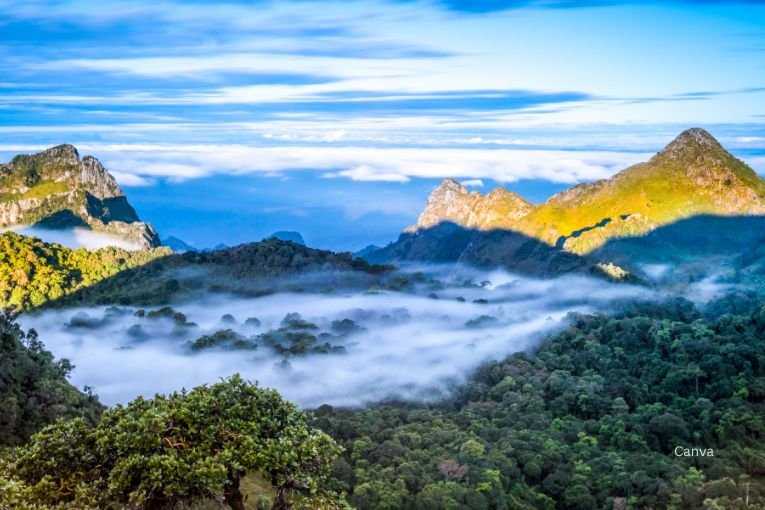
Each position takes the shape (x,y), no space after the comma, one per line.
(489,6)
(131,180)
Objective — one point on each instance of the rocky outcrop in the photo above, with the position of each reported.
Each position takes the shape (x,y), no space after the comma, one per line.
(452,202)
(97,180)
(57,189)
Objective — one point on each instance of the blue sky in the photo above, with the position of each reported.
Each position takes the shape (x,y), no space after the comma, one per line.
(225,121)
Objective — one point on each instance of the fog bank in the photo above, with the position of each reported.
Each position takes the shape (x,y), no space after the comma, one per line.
(398,345)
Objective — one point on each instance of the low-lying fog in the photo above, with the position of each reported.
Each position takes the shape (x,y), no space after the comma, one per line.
(77,237)
(392,345)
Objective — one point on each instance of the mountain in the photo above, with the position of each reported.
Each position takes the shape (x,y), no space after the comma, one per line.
(367,250)
(217,247)
(692,176)
(250,269)
(57,189)
(177,245)
(288,235)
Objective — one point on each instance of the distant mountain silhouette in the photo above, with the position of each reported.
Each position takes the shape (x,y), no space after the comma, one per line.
(729,247)
(251,269)
(367,250)
(288,235)
(177,245)
(732,247)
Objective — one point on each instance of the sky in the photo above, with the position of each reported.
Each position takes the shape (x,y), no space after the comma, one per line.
(226,121)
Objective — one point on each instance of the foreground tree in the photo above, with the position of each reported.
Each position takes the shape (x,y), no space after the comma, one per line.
(189,446)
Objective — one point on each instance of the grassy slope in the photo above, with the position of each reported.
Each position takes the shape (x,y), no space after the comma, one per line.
(40,190)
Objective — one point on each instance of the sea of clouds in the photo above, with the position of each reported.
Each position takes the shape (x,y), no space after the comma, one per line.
(415,345)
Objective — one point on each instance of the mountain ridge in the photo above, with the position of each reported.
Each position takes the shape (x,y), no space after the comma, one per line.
(57,189)
(692,175)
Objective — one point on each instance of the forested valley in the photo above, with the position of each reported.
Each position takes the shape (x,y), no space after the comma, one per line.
(591,418)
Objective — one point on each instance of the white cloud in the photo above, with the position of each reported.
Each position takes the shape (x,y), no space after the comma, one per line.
(751,142)
(367,173)
(393,164)
(478,183)
(130,180)
(336,136)
(757,164)
(332,136)
(76,238)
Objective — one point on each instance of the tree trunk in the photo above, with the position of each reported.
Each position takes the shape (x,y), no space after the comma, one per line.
(158,503)
(281,502)
(233,496)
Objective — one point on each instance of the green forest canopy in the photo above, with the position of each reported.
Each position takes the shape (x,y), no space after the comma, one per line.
(590,421)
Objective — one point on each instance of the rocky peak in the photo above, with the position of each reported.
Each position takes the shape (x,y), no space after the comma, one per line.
(449,186)
(97,180)
(452,202)
(499,193)
(64,152)
(691,142)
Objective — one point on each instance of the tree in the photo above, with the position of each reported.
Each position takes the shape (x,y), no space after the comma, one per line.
(450,469)
(177,449)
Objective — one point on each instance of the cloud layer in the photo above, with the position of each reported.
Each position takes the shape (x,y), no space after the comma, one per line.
(144,162)
(413,347)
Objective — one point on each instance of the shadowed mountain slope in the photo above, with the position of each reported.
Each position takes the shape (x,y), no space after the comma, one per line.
(448,242)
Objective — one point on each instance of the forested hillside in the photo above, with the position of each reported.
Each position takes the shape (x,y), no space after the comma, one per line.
(591,420)
(34,391)
(33,272)
(251,269)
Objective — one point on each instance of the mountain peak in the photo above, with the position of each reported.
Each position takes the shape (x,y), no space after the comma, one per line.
(287,235)
(64,149)
(450,184)
(692,140)
(692,176)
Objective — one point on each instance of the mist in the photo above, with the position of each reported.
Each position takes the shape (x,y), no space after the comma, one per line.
(76,237)
(398,345)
